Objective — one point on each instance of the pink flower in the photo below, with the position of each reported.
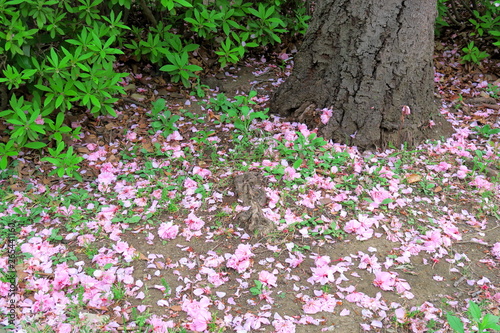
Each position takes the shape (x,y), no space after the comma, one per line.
(283,325)
(267,278)
(39,120)
(462,172)
(291,174)
(193,222)
(352,226)
(433,240)
(295,260)
(198,311)
(65,328)
(204,173)
(378,196)
(106,178)
(312,306)
(141,202)
(443,166)
(482,84)
(190,186)
(168,230)
(283,56)
(384,280)
(132,136)
(480,182)
(240,260)
(406,110)
(400,315)
(322,274)
(495,250)
(326,115)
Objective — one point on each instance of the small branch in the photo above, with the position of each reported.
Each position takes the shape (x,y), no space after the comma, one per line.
(148,13)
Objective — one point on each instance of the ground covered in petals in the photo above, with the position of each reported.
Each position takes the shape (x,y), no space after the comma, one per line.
(150,241)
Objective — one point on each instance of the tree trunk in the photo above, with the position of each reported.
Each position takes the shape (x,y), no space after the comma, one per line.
(366,60)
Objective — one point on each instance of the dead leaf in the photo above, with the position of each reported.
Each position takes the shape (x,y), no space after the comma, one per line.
(82,150)
(413,178)
(438,189)
(176,308)
(148,146)
(130,87)
(112,159)
(325,201)
(212,115)
(142,256)
(138,97)
(20,271)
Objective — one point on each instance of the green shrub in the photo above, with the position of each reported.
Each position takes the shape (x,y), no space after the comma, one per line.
(480,17)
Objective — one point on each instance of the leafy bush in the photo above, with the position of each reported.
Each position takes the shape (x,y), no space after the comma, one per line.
(57,56)
(480,17)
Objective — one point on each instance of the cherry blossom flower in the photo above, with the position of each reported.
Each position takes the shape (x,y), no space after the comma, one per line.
(198,312)
(283,325)
(193,222)
(240,260)
(322,275)
(482,183)
(495,250)
(312,306)
(384,280)
(291,174)
(295,259)
(131,136)
(204,173)
(168,230)
(326,114)
(267,278)
(378,195)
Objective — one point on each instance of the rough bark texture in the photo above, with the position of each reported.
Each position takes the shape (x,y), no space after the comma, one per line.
(365,60)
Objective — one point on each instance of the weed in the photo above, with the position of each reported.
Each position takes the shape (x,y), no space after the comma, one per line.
(118,291)
(482,322)
(162,121)
(166,285)
(258,289)
(486,131)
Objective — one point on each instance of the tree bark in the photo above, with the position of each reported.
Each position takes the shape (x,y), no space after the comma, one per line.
(366,60)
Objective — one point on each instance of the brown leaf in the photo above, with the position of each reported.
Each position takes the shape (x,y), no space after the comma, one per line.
(138,97)
(325,201)
(21,274)
(438,189)
(413,178)
(148,146)
(130,87)
(176,308)
(82,150)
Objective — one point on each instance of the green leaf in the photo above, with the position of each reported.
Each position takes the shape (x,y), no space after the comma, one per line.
(169,68)
(52,160)
(490,322)
(474,311)
(455,323)
(35,145)
(297,163)
(193,68)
